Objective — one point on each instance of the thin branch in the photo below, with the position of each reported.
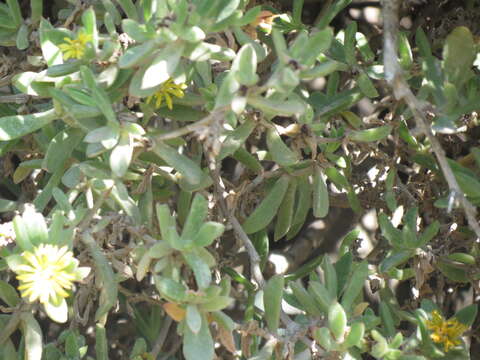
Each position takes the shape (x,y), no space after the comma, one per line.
(401,90)
(253,254)
(6,80)
(16,98)
(241,234)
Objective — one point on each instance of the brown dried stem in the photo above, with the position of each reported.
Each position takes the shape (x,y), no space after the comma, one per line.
(401,90)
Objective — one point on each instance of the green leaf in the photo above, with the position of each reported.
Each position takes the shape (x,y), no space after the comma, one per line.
(409,231)
(279,151)
(71,344)
(7,21)
(104,272)
(184,165)
(461,257)
(327,106)
(193,318)
(452,272)
(168,226)
(8,294)
(112,11)
(216,304)
(7,351)
(182,113)
(330,276)
(105,135)
(404,51)
(348,241)
(90,25)
(337,320)
(162,67)
(42,199)
(51,52)
(208,232)
(32,334)
(129,8)
(236,138)
(201,271)
(387,319)
(364,48)
(325,68)
(12,127)
(369,135)
(366,85)
(136,31)
(223,320)
(171,289)
(355,285)
(198,213)
(15,11)
(324,339)
(58,313)
(320,194)
(272,300)
(432,69)
(227,91)
(321,295)
(467,315)
(22,37)
(343,268)
(303,205)
(349,44)
(285,212)
(30,229)
(248,160)
(277,107)
(36,11)
(355,335)
(61,148)
(393,235)
(121,155)
(337,178)
(198,346)
(331,12)
(99,95)
(459,52)
(395,259)
(305,299)
(101,344)
(317,44)
(244,66)
(266,211)
(120,195)
(135,55)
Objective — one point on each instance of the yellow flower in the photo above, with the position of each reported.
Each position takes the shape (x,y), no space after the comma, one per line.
(167,89)
(75,49)
(47,272)
(446,332)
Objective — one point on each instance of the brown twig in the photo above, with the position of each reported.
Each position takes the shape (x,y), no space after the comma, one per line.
(16,98)
(254,258)
(401,90)
(241,234)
